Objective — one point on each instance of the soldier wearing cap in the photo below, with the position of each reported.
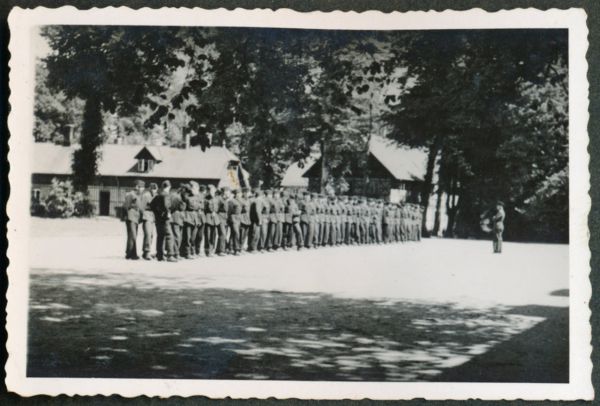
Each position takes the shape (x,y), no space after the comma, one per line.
(265,243)
(178,209)
(133,209)
(190,220)
(256,218)
(277,235)
(498,226)
(222,227)
(148,226)
(234,215)
(212,220)
(272,228)
(161,206)
(200,194)
(307,220)
(387,222)
(245,223)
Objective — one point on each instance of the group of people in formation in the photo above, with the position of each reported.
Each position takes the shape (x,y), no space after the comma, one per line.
(196,220)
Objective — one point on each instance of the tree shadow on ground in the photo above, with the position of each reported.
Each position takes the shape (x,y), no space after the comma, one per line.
(537,355)
(83,329)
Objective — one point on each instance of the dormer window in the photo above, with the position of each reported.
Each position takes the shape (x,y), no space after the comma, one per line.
(147,158)
(145,165)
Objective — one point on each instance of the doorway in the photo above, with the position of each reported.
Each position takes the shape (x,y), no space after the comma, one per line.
(104,203)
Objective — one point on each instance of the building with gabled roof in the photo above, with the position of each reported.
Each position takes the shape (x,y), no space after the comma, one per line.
(393,171)
(120,165)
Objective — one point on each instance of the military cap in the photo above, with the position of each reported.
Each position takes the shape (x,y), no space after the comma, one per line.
(194,184)
(306,193)
(245,189)
(166,183)
(212,187)
(140,182)
(225,189)
(202,188)
(316,195)
(500,203)
(153,185)
(236,191)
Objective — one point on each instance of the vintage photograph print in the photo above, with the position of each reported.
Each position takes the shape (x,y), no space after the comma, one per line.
(314,205)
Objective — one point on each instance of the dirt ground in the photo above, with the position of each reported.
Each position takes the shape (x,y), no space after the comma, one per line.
(434,310)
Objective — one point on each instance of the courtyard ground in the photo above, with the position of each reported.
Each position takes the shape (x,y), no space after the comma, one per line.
(434,310)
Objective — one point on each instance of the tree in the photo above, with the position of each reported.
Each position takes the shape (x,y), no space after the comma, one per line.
(110,68)
(464,83)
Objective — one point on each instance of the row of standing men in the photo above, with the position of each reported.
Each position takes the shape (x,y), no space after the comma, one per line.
(196,220)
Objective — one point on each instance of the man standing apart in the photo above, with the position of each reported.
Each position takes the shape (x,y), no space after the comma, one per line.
(133,208)
(498,223)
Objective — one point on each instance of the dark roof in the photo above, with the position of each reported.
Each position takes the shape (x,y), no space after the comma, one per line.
(401,162)
(120,160)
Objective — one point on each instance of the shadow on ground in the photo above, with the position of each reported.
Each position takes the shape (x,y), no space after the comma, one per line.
(81,330)
(537,355)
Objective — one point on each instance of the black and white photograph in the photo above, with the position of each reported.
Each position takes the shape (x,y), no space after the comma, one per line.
(270,198)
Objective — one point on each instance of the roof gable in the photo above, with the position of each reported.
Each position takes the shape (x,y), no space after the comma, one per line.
(388,158)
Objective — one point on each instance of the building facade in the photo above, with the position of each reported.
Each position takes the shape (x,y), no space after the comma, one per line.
(392,172)
(120,165)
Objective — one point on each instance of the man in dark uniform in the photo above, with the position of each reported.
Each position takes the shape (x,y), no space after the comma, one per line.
(133,208)
(199,192)
(178,210)
(273,228)
(223,224)
(148,226)
(234,215)
(498,226)
(190,221)
(245,222)
(212,221)
(161,206)
(256,218)
(307,220)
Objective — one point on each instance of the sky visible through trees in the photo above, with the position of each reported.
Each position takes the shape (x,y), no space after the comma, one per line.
(489,106)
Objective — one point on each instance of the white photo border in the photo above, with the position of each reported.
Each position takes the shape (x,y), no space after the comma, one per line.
(22,23)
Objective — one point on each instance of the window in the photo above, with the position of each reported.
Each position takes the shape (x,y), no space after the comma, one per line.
(145,165)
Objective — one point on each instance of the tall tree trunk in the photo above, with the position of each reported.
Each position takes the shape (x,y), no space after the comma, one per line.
(85,159)
(438,211)
(452,204)
(427,182)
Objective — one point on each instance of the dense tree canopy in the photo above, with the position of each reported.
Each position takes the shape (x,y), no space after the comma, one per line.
(490,107)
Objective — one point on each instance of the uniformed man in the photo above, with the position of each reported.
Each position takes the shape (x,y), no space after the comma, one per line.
(234,215)
(212,220)
(364,221)
(200,193)
(190,220)
(307,220)
(265,243)
(387,223)
(245,222)
(148,226)
(498,226)
(178,209)
(161,206)
(222,227)
(133,209)
(279,219)
(256,218)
